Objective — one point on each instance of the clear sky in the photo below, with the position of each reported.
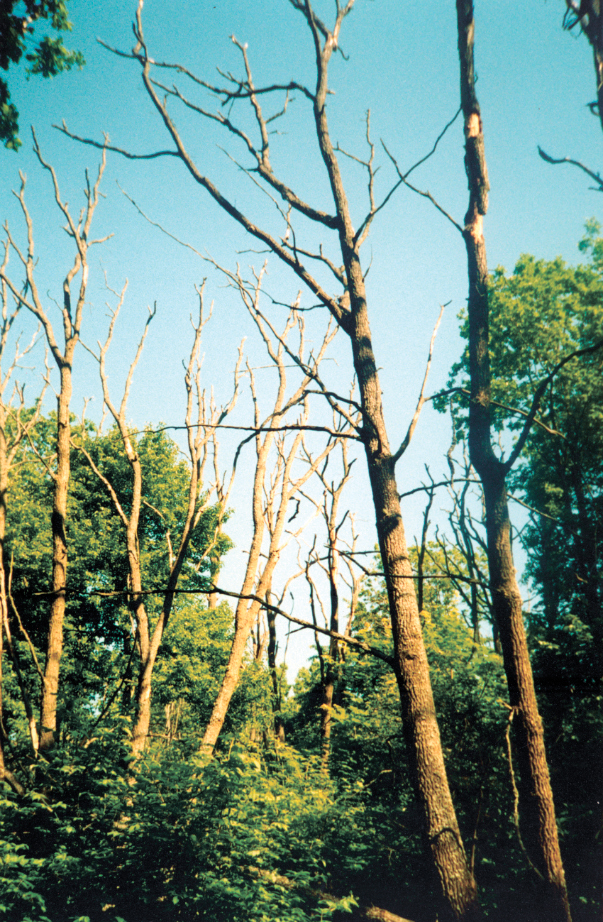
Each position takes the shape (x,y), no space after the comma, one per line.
(535,82)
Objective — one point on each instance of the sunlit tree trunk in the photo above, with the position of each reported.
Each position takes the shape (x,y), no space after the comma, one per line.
(269,515)
(71,316)
(458,888)
(54,644)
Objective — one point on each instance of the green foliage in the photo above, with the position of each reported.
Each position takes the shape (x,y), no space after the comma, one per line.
(49,57)
(247,836)
(189,671)
(368,749)
(98,640)
(540,314)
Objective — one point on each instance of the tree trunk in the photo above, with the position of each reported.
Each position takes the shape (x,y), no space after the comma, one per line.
(328,688)
(229,682)
(279,727)
(418,711)
(142,717)
(422,735)
(537,811)
(54,649)
(458,888)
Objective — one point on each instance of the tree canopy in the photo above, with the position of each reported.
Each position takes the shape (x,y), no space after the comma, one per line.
(19,27)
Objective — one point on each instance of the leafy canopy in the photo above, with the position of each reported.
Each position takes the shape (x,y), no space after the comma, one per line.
(47,57)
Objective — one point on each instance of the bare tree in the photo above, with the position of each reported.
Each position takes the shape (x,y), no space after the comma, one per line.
(350,309)
(329,659)
(15,426)
(71,316)
(275,483)
(538,811)
(201,423)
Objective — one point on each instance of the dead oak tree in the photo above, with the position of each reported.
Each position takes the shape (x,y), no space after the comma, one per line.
(16,425)
(350,309)
(278,443)
(538,811)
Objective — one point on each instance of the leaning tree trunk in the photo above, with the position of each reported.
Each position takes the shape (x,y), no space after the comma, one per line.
(536,803)
(421,730)
(458,888)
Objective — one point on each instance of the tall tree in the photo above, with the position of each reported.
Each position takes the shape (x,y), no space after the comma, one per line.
(178,536)
(71,316)
(350,310)
(538,314)
(538,811)
(16,424)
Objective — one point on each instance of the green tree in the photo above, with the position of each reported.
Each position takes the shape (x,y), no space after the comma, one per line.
(47,56)
(98,629)
(540,314)
(369,749)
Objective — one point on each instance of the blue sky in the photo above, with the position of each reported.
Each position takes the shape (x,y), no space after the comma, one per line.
(534,85)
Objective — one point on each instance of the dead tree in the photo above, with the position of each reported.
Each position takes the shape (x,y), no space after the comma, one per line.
(275,485)
(348,306)
(329,659)
(201,423)
(538,811)
(15,426)
(71,317)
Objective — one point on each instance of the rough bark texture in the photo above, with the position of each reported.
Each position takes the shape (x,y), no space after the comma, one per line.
(412,669)
(421,730)
(458,889)
(537,810)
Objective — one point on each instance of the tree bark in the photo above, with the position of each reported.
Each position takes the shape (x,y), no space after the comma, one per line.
(279,727)
(457,885)
(54,646)
(537,810)
(421,730)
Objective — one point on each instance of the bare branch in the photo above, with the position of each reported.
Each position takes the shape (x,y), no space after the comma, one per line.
(344,638)
(538,397)
(420,192)
(422,398)
(596,176)
(116,150)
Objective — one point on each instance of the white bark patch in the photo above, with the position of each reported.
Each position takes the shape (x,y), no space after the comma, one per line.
(477,227)
(473,125)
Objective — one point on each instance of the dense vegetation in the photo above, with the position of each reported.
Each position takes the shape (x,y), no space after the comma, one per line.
(266,830)
(438,755)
